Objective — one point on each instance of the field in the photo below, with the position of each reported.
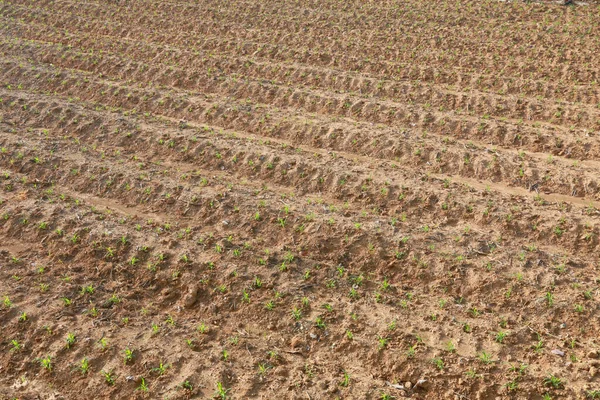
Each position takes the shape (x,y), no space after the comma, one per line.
(318,199)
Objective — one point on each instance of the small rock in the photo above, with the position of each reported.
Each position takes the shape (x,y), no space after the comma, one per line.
(190,297)
(296,342)
(423,383)
(558,352)
(407,385)
(312,335)
(593,371)
(592,354)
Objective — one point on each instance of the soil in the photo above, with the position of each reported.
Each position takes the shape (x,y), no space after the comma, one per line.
(264,199)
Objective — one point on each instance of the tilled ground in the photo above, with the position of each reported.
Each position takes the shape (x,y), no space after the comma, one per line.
(299,200)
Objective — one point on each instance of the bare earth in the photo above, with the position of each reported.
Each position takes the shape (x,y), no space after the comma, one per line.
(317,199)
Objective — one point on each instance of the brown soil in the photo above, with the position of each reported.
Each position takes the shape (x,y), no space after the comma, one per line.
(299,200)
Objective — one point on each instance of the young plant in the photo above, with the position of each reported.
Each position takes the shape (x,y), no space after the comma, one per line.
(202,328)
(143,386)
(186,385)
(263,369)
(554,381)
(296,313)
(438,362)
(15,345)
(46,363)
(485,358)
(320,323)
(23,317)
(221,391)
(103,343)
(71,339)
(127,356)
(108,377)
(382,343)
(345,380)
(500,336)
(84,366)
